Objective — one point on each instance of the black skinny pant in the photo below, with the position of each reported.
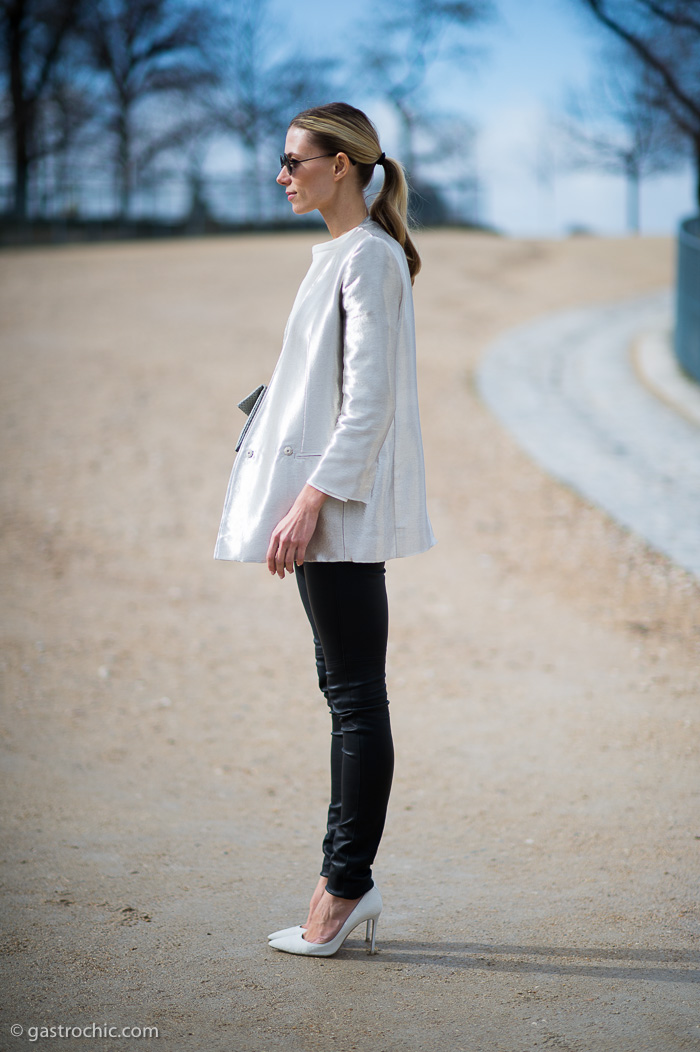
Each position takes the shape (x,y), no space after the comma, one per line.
(347,606)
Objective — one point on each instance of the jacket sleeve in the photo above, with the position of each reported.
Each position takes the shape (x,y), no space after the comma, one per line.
(371,299)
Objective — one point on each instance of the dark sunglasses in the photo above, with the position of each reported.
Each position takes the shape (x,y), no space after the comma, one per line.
(290,163)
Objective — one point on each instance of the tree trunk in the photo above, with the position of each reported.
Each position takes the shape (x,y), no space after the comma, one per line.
(257,183)
(250,199)
(21,164)
(406,137)
(21,112)
(633,200)
(124,166)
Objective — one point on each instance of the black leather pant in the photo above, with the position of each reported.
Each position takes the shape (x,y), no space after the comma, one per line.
(347,606)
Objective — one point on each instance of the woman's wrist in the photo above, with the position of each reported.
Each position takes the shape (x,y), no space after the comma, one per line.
(313,498)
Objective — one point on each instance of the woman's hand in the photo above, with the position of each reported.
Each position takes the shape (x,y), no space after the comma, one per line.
(291,536)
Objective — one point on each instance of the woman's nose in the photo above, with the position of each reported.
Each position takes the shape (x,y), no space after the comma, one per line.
(284,178)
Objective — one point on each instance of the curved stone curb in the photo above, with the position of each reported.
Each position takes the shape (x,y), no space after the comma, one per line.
(566,388)
(658,369)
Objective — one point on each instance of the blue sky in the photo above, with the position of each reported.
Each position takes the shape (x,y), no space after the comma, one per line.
(529,57)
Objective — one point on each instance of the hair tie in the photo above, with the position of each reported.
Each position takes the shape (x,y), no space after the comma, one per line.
(381,160)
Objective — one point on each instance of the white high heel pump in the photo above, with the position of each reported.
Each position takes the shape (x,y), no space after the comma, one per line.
(367,909)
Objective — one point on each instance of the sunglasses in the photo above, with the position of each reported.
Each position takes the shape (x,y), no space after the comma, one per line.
(290,163)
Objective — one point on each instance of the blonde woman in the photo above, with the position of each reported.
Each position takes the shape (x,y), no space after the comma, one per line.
(329,482)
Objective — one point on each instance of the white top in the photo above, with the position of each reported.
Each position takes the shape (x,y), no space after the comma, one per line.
(340,412)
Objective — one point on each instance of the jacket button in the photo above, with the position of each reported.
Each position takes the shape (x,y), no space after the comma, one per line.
(288,451)
(249,453)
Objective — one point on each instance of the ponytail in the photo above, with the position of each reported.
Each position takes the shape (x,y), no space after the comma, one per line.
(390,210)
(340,128)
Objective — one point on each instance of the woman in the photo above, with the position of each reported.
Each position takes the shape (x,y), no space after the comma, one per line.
(329,482)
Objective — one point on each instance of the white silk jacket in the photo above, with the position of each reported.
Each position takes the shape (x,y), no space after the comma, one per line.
(341,413)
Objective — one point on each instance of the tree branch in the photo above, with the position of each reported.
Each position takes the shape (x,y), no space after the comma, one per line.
(681,19)
(647,55)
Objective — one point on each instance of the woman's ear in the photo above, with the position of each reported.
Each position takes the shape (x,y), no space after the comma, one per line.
(341,166)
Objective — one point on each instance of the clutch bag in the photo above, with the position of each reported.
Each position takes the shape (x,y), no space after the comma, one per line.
(250,405)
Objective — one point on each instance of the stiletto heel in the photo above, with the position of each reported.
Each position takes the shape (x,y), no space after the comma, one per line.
(374,922)
(367,909)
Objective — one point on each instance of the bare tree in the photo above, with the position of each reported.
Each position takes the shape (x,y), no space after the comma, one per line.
(63,133)
(151,58)
(614,127)
(664,35)
(444,167)
(263,86)
(34,35)
(406,40)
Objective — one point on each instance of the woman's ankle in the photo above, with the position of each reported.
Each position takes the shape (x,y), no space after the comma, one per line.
(329,917)
(316,898)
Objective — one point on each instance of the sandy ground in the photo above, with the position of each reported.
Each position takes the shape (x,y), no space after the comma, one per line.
(164,744)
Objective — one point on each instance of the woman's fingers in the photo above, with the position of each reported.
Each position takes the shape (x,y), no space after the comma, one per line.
(272,553)
(276,561)
(291,537)
(285,559)
(282,554)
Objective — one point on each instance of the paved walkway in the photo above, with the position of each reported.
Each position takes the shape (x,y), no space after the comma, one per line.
(593,397)
(164,743)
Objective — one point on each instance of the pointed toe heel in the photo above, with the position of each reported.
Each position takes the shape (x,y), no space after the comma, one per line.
(284,932)
(367,909)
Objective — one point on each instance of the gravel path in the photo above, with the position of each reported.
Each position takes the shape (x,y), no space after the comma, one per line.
(164,744)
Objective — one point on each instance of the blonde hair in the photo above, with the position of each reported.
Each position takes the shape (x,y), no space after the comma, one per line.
(340,128)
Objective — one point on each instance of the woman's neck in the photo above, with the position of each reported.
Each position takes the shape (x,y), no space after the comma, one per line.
(345,216)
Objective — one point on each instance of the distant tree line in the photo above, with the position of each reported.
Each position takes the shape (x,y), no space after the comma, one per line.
(141,88)
(135,91)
